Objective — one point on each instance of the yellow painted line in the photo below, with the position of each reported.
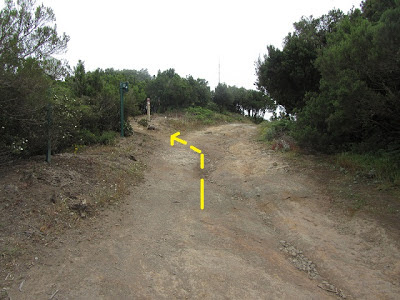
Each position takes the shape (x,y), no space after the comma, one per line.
(195,149)
(174,138)
(202,194)
(202,161)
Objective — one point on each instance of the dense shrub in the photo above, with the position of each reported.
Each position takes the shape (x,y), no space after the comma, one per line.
(338,75)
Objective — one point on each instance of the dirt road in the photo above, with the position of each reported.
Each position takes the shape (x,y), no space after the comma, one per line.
(267,232)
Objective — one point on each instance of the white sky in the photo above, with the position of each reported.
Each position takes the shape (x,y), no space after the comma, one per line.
(189,36)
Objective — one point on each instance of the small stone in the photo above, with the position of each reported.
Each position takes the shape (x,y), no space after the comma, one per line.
(53,198)
(10,188)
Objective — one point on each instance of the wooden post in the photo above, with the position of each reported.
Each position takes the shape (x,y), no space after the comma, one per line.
(148,110)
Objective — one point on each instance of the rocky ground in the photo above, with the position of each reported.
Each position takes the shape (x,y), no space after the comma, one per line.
(124,222)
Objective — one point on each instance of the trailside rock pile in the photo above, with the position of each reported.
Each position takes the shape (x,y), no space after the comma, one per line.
(302,263)
(299,260)
(331,288)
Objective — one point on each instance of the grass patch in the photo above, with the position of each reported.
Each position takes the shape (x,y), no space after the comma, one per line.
(382,166)
(198,117)
(206,116)
(11,252)
(277,134)
(104,138)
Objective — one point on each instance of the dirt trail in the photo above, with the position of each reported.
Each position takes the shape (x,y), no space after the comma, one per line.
(267,232)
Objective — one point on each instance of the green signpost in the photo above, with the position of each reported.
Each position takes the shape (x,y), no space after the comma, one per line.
(49,124)
(123,88)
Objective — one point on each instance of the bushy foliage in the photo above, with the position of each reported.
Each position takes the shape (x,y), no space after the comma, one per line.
(143,122)
(243,101)
(278,134)
(28,39)
(288,75)
(168,90)
(343,88)
(43,99)
(201,114)
(270,130)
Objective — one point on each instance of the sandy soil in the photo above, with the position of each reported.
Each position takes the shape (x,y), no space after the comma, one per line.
(267,232)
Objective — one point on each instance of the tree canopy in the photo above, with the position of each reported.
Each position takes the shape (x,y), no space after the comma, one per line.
(339,76)
(84,105)
(28,39)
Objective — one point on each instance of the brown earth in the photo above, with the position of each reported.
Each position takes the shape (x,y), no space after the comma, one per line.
(271,228)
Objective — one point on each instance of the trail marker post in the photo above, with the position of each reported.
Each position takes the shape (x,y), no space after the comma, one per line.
(148,109)
(123,88)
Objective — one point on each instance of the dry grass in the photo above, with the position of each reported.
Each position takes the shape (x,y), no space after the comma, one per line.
(40,202)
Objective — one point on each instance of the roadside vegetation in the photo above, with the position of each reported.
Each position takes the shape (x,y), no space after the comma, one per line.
(41,96)
(380,165)
(367,182)
(199,117)
(337,80)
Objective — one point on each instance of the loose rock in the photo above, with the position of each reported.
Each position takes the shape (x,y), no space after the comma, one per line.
(300,261)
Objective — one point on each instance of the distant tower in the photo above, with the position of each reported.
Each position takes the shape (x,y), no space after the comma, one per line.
(219,71)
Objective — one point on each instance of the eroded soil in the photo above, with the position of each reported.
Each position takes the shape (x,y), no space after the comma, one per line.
(267,231)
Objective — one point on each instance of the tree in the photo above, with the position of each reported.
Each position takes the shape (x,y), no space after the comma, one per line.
(286,76)
(223,97)
(240,99)
(27,31)
(79,79)
(200,91)
(170,91)
(357,106)
(28,39)
(372,10)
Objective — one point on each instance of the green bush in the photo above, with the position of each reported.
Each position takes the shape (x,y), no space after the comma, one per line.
(143,122)
(271,130)
(257,119)
(128,130)
(86,137)
(204,115)
(211,105)
(107,138)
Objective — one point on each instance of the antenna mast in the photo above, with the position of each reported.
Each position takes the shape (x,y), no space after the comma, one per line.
(219,71)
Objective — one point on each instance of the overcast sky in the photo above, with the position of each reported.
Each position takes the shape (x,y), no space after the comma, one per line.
(190,36)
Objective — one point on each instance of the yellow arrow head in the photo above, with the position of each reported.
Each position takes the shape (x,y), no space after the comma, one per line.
(174,138)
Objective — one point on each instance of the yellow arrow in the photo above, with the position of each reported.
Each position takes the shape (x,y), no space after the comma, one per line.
(201,193)
(195,149)
(174,138)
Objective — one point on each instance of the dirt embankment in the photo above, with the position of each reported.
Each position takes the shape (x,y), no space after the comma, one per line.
(268,231)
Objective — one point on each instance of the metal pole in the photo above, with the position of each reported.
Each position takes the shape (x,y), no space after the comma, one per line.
(121,93)
(49,122)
